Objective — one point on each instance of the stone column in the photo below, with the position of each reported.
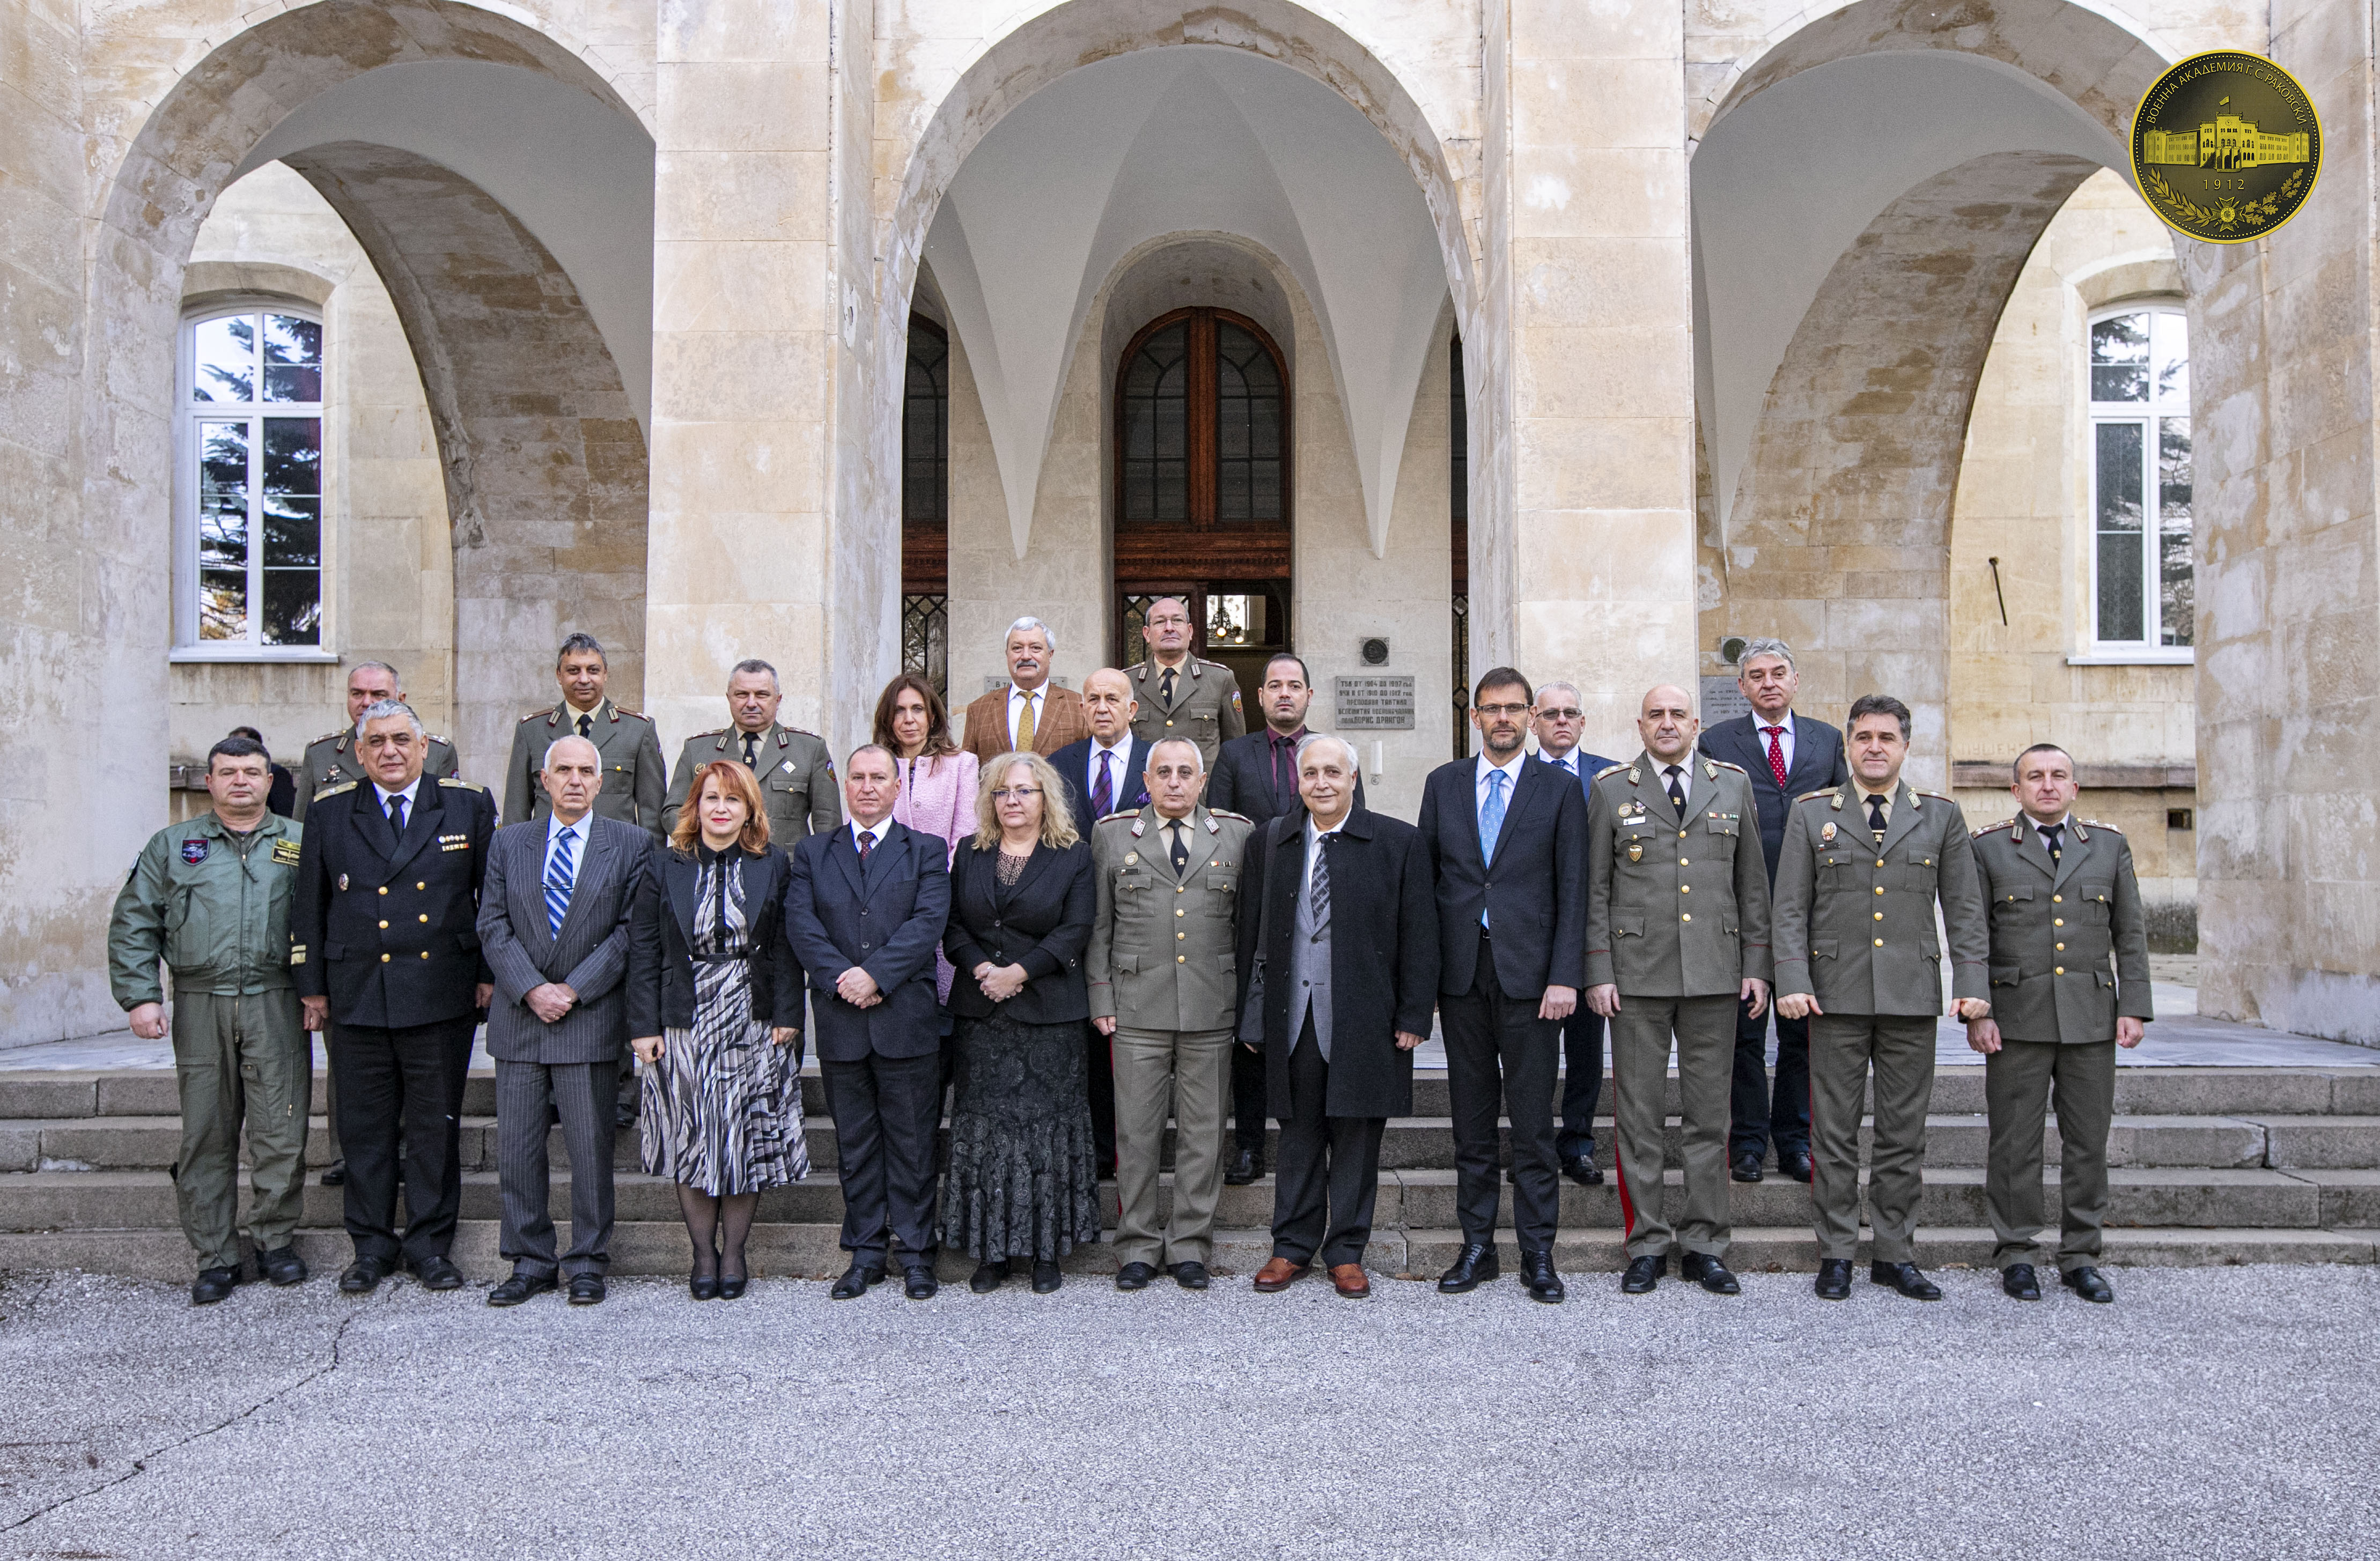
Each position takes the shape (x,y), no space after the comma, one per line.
(2282,338)
(1589,326)
(743,325)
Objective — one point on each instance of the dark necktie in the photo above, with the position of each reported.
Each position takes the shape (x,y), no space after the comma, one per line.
(1103,788)
(587,726)
(1284,747)
(1677,792)
(1318,896)
(1876,816)
(1165,687)
(1180,851)
(866,847)
(751,750)
(2053,838)
(396,812)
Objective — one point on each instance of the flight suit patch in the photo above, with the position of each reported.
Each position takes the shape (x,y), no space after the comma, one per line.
(194,851)
(285,854)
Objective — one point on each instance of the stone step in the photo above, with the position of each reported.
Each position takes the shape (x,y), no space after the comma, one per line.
(127,1142)
(1958,1091)
(38,1201)
(810,1251)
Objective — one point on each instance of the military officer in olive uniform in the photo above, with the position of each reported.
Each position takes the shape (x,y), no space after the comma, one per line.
(1164,983)
(332,759)
(1179,695)
(1676,936)
(625,740)
(795,773)
(211,898)
(386,949)
(1858,876)
(2069,973)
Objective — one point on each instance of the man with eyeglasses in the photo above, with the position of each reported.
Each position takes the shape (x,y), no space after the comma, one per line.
(1180,694)
(1786,756)
(1561,723)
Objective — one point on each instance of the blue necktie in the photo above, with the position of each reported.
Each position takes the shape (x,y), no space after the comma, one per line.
(558,875)
(1103,788)
(1491,823)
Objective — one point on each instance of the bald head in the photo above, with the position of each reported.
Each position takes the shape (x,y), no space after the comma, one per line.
(1667,722)
(1108,704)
(572,774)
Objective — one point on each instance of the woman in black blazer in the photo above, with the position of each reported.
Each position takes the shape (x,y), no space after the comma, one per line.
(1024,1176)
(718,1023)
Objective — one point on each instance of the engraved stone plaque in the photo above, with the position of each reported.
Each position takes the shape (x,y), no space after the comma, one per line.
(1373,703)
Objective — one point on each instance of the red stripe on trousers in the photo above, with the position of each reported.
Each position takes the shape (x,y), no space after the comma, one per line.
(1619,1162)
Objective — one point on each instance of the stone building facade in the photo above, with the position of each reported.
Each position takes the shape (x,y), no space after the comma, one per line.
(1419,337)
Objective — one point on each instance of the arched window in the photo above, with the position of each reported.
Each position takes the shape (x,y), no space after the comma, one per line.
(926,504)
(2141,586)
(1202,445)
(249,530)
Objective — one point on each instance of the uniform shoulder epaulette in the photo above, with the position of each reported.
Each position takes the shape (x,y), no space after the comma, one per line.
(619,711)
(2098,824)
(434,737)
(1227,812)
(334,791)
(1937,796)
(1988,828)
(1821,791)
(547,713)
(801,731)
(1122,816)
(458,781)
(712,732)
(1610,769)
(1725,765)
(329,736)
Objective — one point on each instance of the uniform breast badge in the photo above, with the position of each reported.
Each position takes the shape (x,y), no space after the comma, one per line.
(1635,851)
(1827,835)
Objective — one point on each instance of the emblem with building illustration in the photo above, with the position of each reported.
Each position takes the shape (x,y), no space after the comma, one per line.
(2225,147)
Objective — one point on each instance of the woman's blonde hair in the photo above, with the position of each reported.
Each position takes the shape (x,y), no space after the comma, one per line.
(737,780)
(1056,816)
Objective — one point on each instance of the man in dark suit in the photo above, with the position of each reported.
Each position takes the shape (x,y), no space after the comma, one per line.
(1786,754)
(1104,774)
(1255,777)
(1340,941)
(557,916)
(864,912)
(385,943)
(1561,721)
(1507,841)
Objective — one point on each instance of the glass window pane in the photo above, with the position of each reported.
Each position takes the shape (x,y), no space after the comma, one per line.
(293,607)
(293,533)
(1172,490)
(1172,433)
(225,359)
(293,358)
(223,496)
(223,604)
(293,455)
(2120,359)
(1231,490)
(2118,481)
(1139,490)
(925,431)
(2177,594)
(2171,341)
(1264,489)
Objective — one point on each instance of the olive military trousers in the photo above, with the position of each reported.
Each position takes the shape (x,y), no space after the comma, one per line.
(240,1060)
(1844,1047)
(2018,1082)
(1186,1071)
(1641,1032)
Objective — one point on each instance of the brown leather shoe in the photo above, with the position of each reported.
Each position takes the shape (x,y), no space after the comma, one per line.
(1351,1281)
(1279,1274)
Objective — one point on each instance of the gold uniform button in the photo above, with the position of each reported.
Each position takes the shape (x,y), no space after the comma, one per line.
(425,918)
(383,889)
(1879,861)
(384,959)
(2061,970)
(422,886)
(1169,720)
(2058,899)
(1686,916)
(425,953)
(1879,916)
(1181,889)
(2062,948)
(1879,889)
(1880,942)
(1182,959)
(1682,834)
(1181,937)
(383,927)
(1685,889)
(1180,912)
(1682,862)
(2058,921)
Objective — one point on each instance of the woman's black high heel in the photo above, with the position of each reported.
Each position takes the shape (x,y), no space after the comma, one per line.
(731,1286)
(702,1287)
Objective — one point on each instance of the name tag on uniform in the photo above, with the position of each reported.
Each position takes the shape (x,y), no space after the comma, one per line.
(285,854)
(453,842)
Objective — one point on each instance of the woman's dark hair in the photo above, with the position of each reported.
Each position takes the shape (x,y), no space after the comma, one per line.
(938,717)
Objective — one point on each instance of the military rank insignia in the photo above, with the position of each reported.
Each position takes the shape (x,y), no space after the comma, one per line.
(194,851)
(285,854)
(1827,835)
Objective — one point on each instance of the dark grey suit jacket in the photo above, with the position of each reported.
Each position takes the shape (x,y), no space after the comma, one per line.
(1818,761)
(590,956)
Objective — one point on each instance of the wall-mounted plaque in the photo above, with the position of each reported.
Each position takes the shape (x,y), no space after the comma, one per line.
(1373,703)
(1722,700)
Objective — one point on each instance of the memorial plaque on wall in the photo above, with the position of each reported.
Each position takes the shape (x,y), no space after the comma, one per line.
(1722,700)
(1373,704)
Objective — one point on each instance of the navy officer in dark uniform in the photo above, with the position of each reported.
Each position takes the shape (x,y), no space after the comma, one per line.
(386,948)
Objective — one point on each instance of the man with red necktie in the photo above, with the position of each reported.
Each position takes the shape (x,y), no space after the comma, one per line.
(1786,754)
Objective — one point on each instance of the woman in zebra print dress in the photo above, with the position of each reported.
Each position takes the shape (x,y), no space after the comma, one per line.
(718,1025)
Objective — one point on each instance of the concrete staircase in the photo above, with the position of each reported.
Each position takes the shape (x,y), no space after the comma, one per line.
(2212,1165)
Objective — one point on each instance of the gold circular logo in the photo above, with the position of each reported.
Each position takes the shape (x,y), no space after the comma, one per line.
(2225,147)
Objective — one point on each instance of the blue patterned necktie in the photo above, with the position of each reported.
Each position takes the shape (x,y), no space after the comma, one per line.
(1103,788)
(1491,823)
(559,874)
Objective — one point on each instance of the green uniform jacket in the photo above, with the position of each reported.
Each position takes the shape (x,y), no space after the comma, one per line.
(796,778)
(1164,951)
(215,908)
(1206,705)
(1855,921)
(1675,908)
(2069,952)
(631,752)
(332,760)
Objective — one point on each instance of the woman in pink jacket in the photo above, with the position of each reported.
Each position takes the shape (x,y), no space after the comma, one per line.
(938,778)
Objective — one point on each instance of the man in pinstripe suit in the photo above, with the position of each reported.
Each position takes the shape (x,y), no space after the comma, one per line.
(556,924)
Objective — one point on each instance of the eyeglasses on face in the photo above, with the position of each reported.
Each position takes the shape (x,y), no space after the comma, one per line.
(1018,794)
(1562,715)
(1501,709)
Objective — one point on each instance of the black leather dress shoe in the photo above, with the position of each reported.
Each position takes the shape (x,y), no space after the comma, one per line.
(1582,1169)
(2020,1282)
(1904,1278)
(1537,1276)
(1834,1278)
(1744,1168)
(1246,1167)
(1474,1267)
(212,1285)
(854,1282)
(731,1286)
(1643,1274)
(1795,1166)
(1045,1278)
(438,1274)
(363,1275)
(1709,1273)
(520,1287)
(586,1289)
(918,1281)
(282,1265)
(335,1174)
(1135,1276)
(2090,1284)
(1190,1276)
(624,1114)
(988,1277)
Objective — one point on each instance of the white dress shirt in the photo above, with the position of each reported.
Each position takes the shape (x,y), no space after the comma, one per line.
(1314,848)
(1017,699)
(1784,738)
(407,794)
(866,838)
